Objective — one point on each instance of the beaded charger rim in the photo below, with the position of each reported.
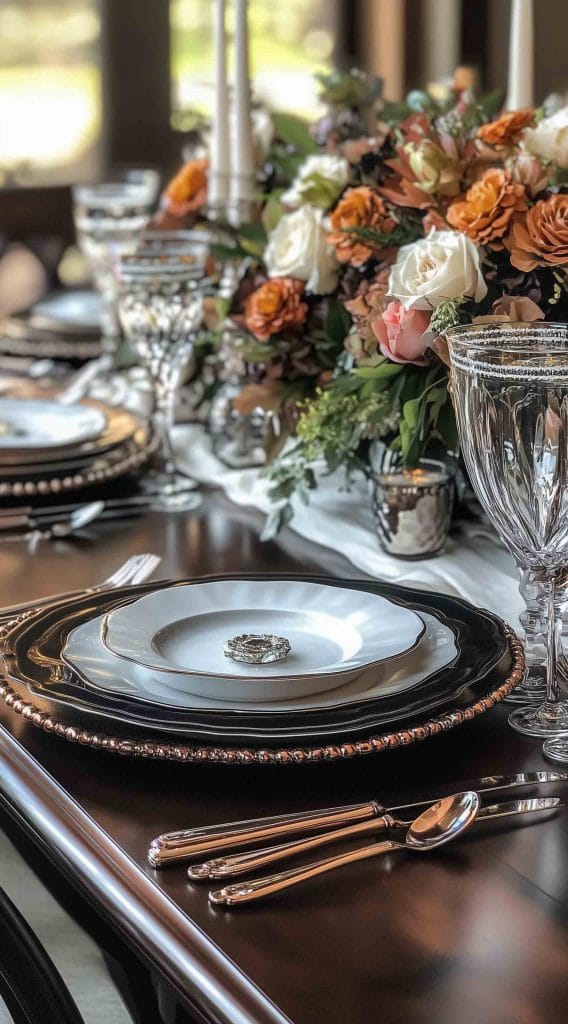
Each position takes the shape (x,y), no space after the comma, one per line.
(193,753)
(129,457)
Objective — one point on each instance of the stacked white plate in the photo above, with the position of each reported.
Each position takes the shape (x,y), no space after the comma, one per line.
(167,647)
(64,446)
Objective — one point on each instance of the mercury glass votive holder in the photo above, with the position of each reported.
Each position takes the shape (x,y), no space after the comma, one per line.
(413,509)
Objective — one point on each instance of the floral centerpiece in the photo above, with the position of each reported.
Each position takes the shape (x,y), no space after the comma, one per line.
(441,213)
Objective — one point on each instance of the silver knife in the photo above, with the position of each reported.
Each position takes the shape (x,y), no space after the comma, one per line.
(199,842)
(254,860)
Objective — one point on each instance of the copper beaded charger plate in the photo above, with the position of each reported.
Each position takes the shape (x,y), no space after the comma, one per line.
(488,665)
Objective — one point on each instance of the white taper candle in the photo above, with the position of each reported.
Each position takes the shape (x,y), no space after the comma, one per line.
(220,165)
(520,87)
(242,178)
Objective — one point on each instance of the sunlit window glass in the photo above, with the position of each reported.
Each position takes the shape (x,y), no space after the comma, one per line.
(50,91)
(289,42)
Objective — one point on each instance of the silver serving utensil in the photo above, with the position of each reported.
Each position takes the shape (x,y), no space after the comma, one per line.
(199,842)
(247,863)
(78,519)
(437,825)
(134,570)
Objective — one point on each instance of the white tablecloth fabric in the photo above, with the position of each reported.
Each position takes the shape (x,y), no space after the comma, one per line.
(474,566)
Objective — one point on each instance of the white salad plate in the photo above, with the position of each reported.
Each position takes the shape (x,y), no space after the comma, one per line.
(179,633)
(104,671)
(46,425)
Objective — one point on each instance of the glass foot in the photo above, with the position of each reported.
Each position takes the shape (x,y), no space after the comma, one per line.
(548,720)
(556,750)
(171,492)
(532,689)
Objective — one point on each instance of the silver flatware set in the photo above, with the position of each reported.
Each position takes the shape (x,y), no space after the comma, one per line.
(323,827)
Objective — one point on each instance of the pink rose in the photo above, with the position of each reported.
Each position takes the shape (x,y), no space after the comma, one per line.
(399,332)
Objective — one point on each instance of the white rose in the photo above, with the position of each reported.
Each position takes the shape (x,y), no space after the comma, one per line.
(319,181)
(549,139)
(298,247)
(445,265)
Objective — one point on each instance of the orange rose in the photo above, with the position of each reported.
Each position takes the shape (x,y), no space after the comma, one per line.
(486,212)
(541,238)
(360,208)
(188,190)
(275,305)
(506,130)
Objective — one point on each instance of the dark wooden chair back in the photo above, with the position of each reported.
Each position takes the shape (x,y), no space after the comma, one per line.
(30,984)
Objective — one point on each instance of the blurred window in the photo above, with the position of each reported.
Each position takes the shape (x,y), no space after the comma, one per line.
(50,91)
(289,41)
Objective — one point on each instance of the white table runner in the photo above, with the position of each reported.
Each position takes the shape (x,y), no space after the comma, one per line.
(474,566)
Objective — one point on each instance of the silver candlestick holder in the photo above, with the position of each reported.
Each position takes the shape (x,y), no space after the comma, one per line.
(413,509)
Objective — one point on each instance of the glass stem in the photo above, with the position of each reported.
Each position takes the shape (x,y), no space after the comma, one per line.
(553,703)
(163,416)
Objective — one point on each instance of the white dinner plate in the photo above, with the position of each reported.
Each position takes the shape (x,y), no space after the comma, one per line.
(179,633)
(105,671)
(47,425)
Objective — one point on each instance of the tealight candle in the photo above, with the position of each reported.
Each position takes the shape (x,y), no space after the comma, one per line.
(413,509)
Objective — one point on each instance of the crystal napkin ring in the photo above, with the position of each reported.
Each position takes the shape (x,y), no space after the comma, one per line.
(257,648)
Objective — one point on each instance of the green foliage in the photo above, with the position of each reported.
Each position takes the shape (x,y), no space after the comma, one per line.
(294,131)
(402,234)
(448,314)
(348,89)
(337,323)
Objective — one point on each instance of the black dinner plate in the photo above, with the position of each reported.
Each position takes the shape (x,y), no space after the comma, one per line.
(33,662)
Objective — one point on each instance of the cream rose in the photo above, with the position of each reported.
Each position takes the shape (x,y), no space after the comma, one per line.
(298,247)
(319,181)
(444,265)
(549,139)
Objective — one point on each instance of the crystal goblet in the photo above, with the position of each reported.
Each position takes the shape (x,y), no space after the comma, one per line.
(108,220)
(160,308)
(509,384)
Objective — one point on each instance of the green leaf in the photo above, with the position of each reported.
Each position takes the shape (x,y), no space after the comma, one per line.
(337,323)
(271,214)
(253,233)
(446,427)
(227,252)
(276,521)
(393,113)
(294,131)
(491,103)
(411,412)
(384,371)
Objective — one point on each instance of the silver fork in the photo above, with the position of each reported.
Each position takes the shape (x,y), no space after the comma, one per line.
(136,569)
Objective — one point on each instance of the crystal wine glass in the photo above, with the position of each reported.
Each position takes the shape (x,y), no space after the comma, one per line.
(509,383)
(160,307)
(108,219)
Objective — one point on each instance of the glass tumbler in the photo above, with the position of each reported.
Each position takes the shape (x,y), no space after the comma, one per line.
(509,384)
(108,219)
(160,307)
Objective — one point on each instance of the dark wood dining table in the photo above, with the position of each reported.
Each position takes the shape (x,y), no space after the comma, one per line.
(473,934)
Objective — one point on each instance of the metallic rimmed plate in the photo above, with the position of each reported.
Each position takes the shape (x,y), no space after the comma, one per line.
(33,663)
(118,462)
(77,311)
(119,426)
(44,426)
(104,671)
(179,634)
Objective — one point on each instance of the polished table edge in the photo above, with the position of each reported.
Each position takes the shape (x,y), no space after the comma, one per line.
(137,906)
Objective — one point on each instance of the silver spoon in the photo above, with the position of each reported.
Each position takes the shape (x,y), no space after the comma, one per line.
(438,824)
